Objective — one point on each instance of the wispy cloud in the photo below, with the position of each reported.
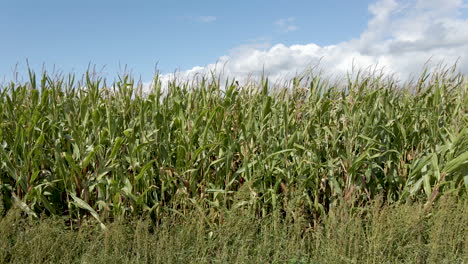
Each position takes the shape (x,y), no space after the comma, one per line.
(286,24)
(206,19)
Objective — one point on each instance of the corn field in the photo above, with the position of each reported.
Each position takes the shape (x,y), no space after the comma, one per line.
(78,148)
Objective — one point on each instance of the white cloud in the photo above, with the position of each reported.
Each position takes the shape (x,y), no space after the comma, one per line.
(286,24)
(206,19)
(400,38)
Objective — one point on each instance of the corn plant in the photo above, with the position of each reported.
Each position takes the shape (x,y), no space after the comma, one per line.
(84,148)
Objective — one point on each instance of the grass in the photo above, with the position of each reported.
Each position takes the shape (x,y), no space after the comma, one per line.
(384,234)
(289,159)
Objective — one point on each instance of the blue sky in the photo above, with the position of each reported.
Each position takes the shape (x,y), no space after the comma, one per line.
(177,34)
(185,34)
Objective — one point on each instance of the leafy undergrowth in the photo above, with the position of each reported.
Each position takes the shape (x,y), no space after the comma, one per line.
(375,233)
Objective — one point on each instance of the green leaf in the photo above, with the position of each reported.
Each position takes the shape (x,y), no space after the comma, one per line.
(455,163)
(88,157)
(279,152)
(23,206)
(420,164)
(128,132)
(427,183)
(117,144)
(416,187)
(34,176)
(143,170)
(435,166)
(83,205)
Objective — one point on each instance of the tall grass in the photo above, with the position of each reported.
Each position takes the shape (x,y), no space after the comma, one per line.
(86,149)
(385,234)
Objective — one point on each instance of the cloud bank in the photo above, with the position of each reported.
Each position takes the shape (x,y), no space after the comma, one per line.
(400,38)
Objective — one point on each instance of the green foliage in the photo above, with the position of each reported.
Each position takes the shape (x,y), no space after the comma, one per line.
(82,148)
